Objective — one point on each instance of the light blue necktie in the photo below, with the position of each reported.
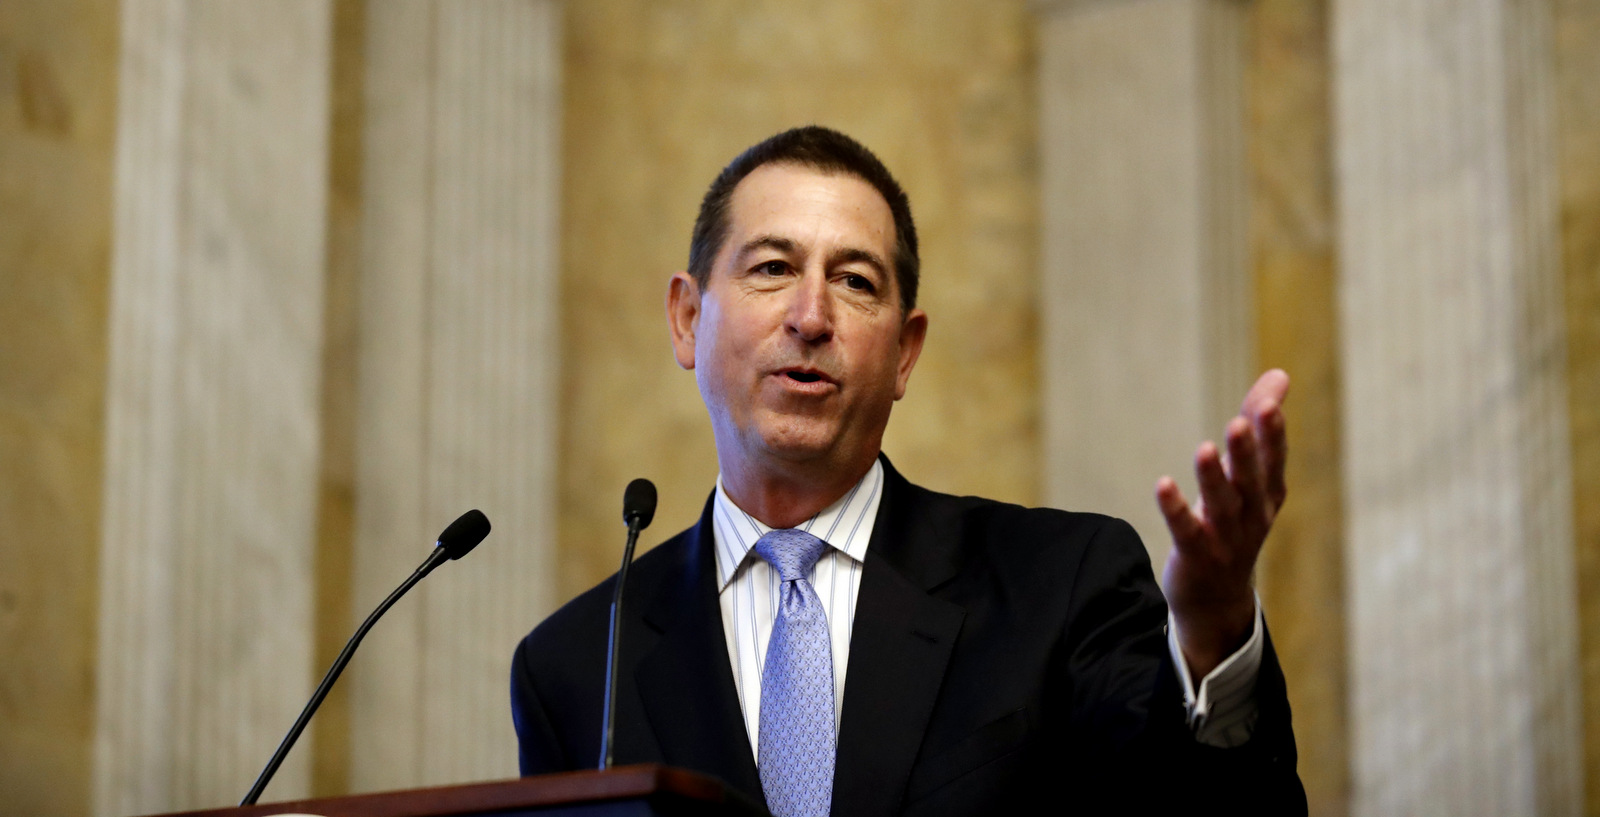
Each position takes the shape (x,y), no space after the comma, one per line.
(797,740)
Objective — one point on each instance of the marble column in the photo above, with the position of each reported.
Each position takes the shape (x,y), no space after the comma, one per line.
(457,372)
(1146,307)
(211,414)
(1464,681)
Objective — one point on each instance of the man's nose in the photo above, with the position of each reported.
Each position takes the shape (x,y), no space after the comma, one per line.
(811,311)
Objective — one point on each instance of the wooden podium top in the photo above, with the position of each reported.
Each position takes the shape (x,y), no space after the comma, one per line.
(645,782)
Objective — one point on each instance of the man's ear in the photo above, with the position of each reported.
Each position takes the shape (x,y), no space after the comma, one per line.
(683,316)
(912,332)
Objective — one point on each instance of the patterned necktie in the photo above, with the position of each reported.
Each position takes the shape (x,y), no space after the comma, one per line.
(796,744)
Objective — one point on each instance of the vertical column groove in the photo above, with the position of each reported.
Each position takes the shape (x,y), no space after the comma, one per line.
(1144,197)
(476,349)
(211,448)
(1464,674)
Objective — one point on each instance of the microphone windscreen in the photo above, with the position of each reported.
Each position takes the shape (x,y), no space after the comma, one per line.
(464,534)
(639,502)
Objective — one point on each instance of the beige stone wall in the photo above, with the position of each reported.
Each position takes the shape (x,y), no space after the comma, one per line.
(659,96)
(1292,234)
(328,738)
(213,415)
(457,351)
(1142,217)
(1577,46)
(1456,449)
(57,118)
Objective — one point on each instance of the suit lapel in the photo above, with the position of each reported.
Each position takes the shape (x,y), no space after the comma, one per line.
(685,680)
(898,652)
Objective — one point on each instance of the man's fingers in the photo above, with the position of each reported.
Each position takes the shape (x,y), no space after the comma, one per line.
(1266,394)
(1244,469)
(1219,496)
(1181,521)
(1263,407)
(1272,443)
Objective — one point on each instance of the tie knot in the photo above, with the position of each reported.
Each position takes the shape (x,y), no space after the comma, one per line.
(790,551)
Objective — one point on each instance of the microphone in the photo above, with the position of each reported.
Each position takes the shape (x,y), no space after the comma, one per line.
(456,541)
(638,508)
(639,503)
(461,536)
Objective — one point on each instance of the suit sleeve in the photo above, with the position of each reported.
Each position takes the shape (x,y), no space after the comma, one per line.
(538,749)
(1126,701)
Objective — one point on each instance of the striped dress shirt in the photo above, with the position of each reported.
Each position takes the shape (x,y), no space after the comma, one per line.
(1222,713)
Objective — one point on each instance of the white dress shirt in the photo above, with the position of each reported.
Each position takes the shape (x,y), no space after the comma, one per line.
(1222,713)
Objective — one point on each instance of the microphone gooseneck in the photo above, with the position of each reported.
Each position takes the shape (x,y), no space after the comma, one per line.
(638,509)
(456,541)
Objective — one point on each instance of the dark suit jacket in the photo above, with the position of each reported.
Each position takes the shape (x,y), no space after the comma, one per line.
(1001,656)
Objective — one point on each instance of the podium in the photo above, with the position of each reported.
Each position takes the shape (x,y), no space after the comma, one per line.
(635,791)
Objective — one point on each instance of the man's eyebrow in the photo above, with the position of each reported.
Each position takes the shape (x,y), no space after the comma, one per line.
(768,242)
(853,254)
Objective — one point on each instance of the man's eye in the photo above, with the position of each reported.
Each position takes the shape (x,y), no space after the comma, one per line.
(773,268)
(859,282)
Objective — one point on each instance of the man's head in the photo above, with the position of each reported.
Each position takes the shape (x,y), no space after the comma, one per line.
(821,149)
(797,325)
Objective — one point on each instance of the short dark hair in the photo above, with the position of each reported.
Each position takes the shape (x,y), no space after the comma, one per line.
(826,150)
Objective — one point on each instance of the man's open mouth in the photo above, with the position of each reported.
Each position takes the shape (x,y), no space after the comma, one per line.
(804,377)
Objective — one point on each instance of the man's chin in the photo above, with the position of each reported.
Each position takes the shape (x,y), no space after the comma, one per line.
(800,444)
(797,451)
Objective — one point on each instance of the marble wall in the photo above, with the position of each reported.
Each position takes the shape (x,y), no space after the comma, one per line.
(1301,572)
(1461,606)
(328,739)
(1576,25)
(656,96)
(455,374)
(1144,202)
(58,64)
(212,422)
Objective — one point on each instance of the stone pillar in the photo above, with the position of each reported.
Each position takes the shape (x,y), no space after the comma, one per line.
(1146,305)
(457,375)
(211,413)
(1464,683)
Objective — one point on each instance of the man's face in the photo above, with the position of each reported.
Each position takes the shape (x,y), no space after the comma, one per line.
(798,340)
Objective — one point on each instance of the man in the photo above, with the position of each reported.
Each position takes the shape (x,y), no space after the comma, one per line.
(830,636)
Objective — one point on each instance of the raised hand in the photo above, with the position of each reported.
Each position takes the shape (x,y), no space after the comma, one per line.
(1216,540)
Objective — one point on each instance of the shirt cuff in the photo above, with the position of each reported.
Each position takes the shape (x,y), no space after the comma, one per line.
(1223,712)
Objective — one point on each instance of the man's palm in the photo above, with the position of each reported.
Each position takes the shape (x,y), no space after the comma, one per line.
(1216,540)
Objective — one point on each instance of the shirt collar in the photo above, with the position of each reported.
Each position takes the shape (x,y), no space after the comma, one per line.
(846,525)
